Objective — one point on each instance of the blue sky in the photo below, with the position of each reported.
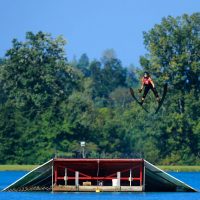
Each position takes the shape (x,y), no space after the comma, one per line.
(90,26)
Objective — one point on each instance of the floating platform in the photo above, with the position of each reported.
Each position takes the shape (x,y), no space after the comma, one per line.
(98,175)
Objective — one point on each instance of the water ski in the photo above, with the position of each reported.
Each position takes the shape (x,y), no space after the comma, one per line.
(162,99)
(134,97)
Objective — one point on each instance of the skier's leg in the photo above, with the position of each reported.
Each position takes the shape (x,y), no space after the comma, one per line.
(146,90)
(155,93)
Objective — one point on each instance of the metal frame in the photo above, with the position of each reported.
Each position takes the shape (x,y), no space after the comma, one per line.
(82,176)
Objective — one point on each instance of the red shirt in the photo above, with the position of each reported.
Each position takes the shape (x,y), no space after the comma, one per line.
(147,81)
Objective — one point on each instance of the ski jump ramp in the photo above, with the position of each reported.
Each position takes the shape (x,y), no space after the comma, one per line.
(92,175)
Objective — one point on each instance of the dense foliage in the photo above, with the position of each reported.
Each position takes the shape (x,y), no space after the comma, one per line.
(48,105)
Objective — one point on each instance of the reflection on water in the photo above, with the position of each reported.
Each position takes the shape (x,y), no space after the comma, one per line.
(191,178)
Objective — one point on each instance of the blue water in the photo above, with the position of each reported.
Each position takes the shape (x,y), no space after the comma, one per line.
(191,178)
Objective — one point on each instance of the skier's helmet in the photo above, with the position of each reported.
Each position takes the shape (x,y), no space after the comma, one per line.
(146,74)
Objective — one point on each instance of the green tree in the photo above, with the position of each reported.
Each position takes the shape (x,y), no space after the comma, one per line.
(35,81)
(113,75)
(173,56)
(83,64)
(35,74)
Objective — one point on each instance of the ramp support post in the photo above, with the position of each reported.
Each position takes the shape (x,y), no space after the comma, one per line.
(130,177)
(141,173)
(143,187)
(56,174)
(52,179)
(77,178)
(65,177)
(118,178)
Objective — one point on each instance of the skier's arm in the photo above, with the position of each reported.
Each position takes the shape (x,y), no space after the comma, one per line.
(152,83)
(142,86)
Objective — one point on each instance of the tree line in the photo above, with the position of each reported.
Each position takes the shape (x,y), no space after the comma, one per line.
(48,105)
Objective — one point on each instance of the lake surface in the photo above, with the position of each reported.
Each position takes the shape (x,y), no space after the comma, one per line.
(191,178)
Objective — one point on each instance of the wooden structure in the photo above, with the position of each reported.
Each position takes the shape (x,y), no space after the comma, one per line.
(98,175)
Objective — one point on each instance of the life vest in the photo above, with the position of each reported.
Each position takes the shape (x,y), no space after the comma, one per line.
(146,81)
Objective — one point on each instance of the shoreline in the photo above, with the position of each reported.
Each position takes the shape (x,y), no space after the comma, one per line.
(178,168)
(17,167)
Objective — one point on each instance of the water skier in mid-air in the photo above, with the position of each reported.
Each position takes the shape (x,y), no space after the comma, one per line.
(148,84)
